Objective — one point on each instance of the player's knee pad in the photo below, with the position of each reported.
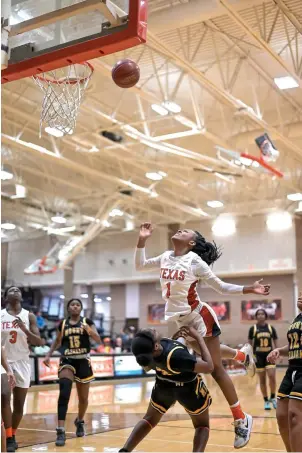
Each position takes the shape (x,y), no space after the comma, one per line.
(65,391)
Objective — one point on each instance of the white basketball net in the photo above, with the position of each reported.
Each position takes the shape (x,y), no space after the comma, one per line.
(63,90)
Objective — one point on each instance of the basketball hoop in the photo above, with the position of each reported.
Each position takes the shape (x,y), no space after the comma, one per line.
(63,89)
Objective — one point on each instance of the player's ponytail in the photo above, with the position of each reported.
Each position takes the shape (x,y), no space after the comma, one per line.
(208,251)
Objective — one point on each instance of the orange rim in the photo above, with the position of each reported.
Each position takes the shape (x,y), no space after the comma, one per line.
(68,82)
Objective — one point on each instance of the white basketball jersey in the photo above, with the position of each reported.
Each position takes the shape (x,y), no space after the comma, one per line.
(178,284)
(13,339)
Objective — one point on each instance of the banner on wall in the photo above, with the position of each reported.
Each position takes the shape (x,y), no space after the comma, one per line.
(128,393)
(102,366)
(272,307)
(48,373)
(222,310)
(156,314)
(126,366)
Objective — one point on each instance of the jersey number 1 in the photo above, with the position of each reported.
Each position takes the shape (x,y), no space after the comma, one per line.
(168,293)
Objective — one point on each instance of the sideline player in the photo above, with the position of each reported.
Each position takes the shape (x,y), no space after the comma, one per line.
(289,396)
(263,337)
(177,379)
(74,338)
(180,272)
(18,329)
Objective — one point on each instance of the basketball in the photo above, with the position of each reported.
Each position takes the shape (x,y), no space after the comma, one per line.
(125,73)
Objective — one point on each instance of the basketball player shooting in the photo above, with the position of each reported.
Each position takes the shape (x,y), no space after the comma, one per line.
(180,272)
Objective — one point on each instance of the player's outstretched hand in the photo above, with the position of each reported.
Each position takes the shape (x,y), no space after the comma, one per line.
(260,288)
(273,356)
(146,230)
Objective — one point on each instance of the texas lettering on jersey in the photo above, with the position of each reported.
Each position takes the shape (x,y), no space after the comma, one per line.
(172,274)
(7,325)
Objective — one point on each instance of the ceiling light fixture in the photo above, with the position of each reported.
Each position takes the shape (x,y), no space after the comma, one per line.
(224,226)
(116,213)
(154,176)
(285,83)
(299,208)
(8,226)
(62,296)
(59,219)
(84,296)
(171,106)
(6,175)
(279,221)
(159,109)
(98,299)
(108,298)
(54,132)
(294,196)
(215,204)
(20,191)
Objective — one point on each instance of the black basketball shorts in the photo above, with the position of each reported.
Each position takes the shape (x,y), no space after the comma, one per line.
(193,396)
(291,385)
(81,368)
(261,362)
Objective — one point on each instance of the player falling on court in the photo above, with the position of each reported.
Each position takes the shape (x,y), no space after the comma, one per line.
(18,330)
(177,379)
(263,338)
(289,396)
(180,272)
(73,339)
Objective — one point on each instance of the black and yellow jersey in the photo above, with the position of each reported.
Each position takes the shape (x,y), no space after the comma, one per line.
(262,337)
(175,363)
(294,336)
(75,340)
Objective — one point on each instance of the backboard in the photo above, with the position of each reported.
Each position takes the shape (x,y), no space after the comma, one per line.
(49,34)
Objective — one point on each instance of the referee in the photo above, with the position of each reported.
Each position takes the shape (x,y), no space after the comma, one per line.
(177,379)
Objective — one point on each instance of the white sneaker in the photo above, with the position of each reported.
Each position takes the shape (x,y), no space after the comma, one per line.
(243,429)
(249,362)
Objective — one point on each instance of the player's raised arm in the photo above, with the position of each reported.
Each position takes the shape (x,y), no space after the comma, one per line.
(141,263)
(203,271)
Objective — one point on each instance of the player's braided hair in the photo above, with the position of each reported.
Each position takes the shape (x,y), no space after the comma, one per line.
(208,251)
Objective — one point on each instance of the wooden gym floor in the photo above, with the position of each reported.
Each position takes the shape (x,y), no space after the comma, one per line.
(115,407)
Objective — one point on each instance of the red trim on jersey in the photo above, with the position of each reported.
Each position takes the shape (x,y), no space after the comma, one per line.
(208,320)
(193,300)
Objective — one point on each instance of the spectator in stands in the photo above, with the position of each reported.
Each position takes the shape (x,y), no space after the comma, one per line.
(40,321)
(43,349)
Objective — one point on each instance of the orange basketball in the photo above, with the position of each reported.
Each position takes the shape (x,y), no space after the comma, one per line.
(125,73)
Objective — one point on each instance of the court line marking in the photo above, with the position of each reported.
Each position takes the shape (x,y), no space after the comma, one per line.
(187,442)
(44,430)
